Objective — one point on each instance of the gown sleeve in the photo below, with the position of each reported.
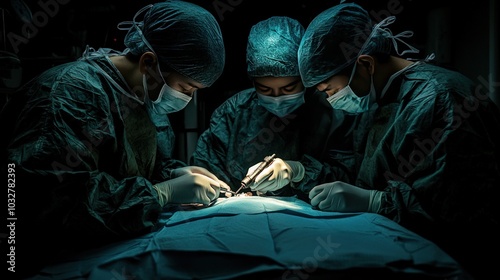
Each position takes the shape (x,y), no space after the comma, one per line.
(80,184)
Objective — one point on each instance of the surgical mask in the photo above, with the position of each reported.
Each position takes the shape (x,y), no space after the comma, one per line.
(282,105)
(346,100)
(169,100)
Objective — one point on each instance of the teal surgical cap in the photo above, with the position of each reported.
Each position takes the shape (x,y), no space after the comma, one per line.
(272,47)
(335,38)
(184,36)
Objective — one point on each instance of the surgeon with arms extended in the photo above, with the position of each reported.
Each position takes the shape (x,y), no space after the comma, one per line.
(91,143)
(265,119)
(426,141)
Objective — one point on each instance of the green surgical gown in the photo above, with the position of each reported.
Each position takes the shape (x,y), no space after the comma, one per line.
(432,145)
(242,132)
(85,155)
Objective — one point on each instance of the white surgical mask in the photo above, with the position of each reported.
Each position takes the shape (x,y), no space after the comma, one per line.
(346,100)
(169,100)
(282,105)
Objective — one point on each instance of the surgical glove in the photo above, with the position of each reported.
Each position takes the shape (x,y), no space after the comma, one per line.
(198,170)
(342,197)
(188,188)
(277,175)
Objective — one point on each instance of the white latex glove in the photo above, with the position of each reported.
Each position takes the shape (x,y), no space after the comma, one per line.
(188,188)
(277,175)
(342,197)
(198,170)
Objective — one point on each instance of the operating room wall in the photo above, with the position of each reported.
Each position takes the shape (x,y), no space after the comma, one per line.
(475,44)
(462,37)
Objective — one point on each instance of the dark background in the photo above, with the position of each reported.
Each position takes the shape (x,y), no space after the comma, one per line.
(462,36)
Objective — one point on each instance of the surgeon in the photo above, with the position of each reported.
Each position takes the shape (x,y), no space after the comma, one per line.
(426,138)
(90,144)
(265,119)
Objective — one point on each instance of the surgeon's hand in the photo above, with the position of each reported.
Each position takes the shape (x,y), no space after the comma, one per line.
(188,188)
(279,174)
(198,170)
(342,197)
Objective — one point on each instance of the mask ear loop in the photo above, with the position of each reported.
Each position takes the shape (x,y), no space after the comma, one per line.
(394,38)
(384,22)
(127,25)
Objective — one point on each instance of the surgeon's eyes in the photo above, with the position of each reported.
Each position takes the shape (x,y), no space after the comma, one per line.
(290,89)
(188,90)
(263,89)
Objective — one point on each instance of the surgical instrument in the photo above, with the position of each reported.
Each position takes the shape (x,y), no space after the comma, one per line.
(250,178)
